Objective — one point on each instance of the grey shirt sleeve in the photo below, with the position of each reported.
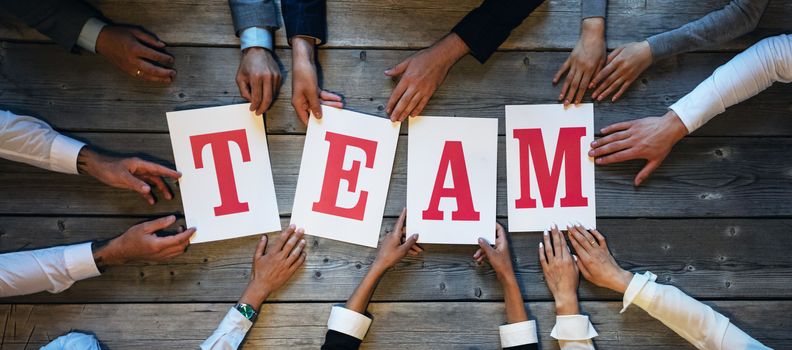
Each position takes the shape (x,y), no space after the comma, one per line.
(737,18)
(254,13)
(593,8)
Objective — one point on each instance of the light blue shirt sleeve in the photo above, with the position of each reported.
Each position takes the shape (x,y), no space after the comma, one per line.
(90,33)
(256,37)
(230,333)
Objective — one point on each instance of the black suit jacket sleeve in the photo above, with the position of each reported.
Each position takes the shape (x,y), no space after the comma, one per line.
(61,20)
(305,17)
(340,341)
(487,27)
(533,346)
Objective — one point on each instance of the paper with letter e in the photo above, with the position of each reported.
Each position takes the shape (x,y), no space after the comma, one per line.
(549,175)
(226,184)
(452,179)
(344,176)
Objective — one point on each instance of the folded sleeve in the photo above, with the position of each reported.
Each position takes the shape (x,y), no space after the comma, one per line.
(253,13)
(230,333)
(747,74)
(345,329)
(305,18)
(32,141)
(519,336)
(485,28)
(694,321)
(61,20)
(574,332)
(593,8)
(52,269)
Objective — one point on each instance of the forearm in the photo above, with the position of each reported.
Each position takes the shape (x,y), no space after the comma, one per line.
(513,300)
(61,20)
(32,141)
(303,51)
(359,300)
(52,269)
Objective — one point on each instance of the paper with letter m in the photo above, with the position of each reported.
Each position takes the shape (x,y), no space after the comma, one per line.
(344,176)
(226,184)
(549,175)
(452,179)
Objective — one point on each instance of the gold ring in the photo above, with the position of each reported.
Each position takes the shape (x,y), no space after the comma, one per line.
(137,73)
(592,242)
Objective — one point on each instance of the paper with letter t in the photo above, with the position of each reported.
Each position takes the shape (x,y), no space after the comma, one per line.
(226,184)
(344,176)
(550,177)
(452,179)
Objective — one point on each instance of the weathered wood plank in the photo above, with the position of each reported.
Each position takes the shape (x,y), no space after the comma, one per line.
(415,23)
(396,325)
(720,177)
(709,258)
(92,96)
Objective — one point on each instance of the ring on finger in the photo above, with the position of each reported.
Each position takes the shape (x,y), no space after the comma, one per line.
(137,73)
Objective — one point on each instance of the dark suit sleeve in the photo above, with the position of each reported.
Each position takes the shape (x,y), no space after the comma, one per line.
(61,20)
(305,17)
(254,13)
(487,27)
(524,347)
(340,341)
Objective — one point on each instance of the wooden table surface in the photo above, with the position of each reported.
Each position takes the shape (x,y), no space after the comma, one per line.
(711,220)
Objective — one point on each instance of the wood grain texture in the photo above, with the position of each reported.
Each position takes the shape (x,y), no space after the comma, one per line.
(708,258)
(395,326)
(85,93)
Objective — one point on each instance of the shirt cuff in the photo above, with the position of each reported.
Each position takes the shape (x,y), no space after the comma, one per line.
(346,321)
(573,327)
(80,262)
(520,333)
(256,37)
(63,154)
(90,33)
(640,291)
(699,106)
(235,319)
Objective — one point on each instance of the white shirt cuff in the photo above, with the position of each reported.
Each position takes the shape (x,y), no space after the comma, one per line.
(80,262)
(699,106)
(573,327)
(63,154)
(256,37)
(348,322)
(640,291)
(520,333)
(90,33)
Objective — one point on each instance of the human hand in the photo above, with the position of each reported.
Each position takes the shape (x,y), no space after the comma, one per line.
(595,260)
(649,138)
(307,96)
(128,173)
(560,271)
(136,52)
(624,65)
(498,257)
(395,246)
(258,78)
(420,75)
(274,266)
(584,62)
(141,243)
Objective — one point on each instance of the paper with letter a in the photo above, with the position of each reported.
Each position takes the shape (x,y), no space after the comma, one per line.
(452,179)
(226,184)
(550,177)
(344,176)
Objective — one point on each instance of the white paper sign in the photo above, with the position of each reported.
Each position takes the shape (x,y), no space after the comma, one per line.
(226,184)
(550,177)
(344,176)
(452,179)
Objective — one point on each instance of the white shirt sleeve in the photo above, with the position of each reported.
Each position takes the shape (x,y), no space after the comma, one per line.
(698,323)
(256,37)
(90,33)
(32,141)
(516,334)
(52,269)
(747,74)
(230,333)
(574,332)
(73,341)
(348,322)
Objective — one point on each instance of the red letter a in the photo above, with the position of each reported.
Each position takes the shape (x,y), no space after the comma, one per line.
(567,150)
(334,173)
(454,158)
(229,200)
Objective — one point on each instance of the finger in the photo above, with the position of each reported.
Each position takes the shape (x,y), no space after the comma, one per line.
(622,90)
(398,69)
(180,240)
(288,232)
(611,88)
(583,244)
(567,82)
(395,97)
(399,111)
(542,256)
(556,244)
(564,67)
(408,243)
(256,85)
(612,147)
(573,87)
(584,82)
(646,171)
(292,242)
(302,111)
(618,157)
(501,242)
(328,96)
(592,242)
(414,101)
(398,227)
(156,169)
(296,252)
(583,269)
(261,247)
(158,224)
(338,105)
(617,136)
(150,72)
(421,105)
(485,247)
(600,238)
(315,106)
(579,249)
(160,185)
(614,54)
(300,261)
(616,127)
(157,56)
(603,74)
(548,245)
(416,248)
(131,182)
(244,87)
(147,38)
(266,95)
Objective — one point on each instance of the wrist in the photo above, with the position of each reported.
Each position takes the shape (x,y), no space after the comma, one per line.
(622,281)
(255,50)
(593,27)
(107,253)
(303,49)
(451,48)
(567,304)
(86,161)
(674,125)
(254,295)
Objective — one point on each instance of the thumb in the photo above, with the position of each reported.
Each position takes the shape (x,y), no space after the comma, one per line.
(408,243)
(315,106)
(153,226)
(261,247)
(646,171)
(131,182)
(398,69)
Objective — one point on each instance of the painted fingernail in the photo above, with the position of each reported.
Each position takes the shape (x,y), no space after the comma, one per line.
(293,226)
(591,153)
(145,188)
(301,230)
(302,242)
(541,245)
(264,237)
(545,232)
(414,236)
(574,257)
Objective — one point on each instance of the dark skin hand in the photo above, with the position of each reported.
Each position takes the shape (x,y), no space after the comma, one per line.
(307,96)
(139,54)
(258,78)
(141,243)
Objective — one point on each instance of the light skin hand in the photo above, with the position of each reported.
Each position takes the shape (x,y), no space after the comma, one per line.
(560,272)
(141,243)
(132,49)
(499,258)
(584,62)
(649,138)
(127,173)
(421,74)
(258,78)
(273,266)
(307,96)
(623,67)
(595,260)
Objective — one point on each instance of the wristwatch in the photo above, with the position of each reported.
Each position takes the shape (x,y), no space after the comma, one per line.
(247,311)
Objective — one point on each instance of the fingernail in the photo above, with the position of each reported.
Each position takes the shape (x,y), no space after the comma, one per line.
(481,240)
(598,161)
(293,226)
(541,245)
(264,237)
(302,242)
(591,153)
(414,236)
(574,257)
(145,188)
(545,233)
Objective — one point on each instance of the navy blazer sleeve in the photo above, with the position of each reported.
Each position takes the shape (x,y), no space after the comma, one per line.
(61,20)
(533,346)
(305,17)
(339,341)
(487,27)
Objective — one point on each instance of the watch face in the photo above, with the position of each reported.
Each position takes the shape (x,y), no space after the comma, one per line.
(246,310)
